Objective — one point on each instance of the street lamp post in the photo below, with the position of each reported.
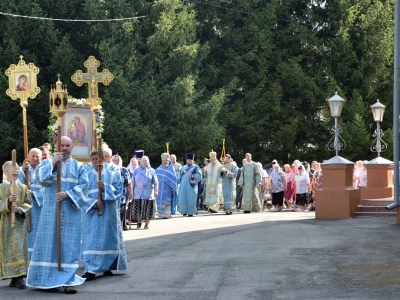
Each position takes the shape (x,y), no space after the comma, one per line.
(378,109)
(336,143)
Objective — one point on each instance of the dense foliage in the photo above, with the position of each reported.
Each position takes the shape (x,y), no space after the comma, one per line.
(193,72)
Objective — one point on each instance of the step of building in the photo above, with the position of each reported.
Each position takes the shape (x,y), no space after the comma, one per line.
(375,214)
(371,208)
(375,208)
(377,202)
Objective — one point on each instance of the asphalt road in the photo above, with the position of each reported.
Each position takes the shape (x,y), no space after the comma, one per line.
(268,255)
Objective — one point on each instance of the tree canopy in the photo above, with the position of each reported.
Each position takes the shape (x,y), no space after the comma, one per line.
(191,73)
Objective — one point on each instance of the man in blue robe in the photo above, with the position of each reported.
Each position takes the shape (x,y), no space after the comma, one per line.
(189,178)
(228,174)
(139,154)
(43,270)
(250,181)
(36,192)
(103,246)
(166,198)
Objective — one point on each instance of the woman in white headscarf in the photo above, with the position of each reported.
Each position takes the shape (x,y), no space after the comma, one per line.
(278,186)
(145,190)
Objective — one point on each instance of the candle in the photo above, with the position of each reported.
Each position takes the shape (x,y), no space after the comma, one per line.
(14,157)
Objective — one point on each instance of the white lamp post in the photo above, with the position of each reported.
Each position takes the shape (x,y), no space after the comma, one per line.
(378,109)
(335,105)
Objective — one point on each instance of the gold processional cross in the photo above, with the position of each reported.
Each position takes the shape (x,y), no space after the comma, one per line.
(93,78)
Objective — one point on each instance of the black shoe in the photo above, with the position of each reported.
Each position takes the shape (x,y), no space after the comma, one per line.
(184,215)
(13,282)
(190,215)
(69,290)
(108,273)
(20,283)
(246,212)
(89,276)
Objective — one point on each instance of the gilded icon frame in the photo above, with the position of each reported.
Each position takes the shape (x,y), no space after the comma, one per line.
(75,116)
(15,74)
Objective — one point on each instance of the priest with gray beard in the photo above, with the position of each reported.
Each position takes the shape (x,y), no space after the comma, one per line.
(167,187)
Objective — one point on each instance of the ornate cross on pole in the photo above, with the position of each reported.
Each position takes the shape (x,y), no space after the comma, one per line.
(93,78)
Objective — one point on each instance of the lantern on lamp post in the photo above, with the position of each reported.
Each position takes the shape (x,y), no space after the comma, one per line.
(336,143)
(378,146)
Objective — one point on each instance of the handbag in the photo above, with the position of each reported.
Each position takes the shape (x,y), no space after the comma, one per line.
(267,199)
(267,196)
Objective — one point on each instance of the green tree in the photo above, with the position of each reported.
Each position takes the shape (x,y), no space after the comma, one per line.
(360,58)
(157,91)
(35,40)
(254,72)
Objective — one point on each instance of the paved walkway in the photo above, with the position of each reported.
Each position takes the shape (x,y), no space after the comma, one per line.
(269,255)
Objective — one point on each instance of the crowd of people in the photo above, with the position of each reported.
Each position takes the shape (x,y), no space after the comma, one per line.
(58,204)
(224,186)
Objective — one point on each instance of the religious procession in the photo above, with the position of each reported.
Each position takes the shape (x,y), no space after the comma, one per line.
(64,189)
(55,191)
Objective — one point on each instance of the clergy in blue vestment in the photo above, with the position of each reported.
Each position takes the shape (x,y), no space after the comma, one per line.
(166,199)
(36,192)
(189,178)
(250,181)
(228,174)
(103,246)
(139,154)
(43,270)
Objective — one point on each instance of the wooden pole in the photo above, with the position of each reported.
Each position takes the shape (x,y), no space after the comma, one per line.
(58,106)
(59,190)
(25,124)
(13,183)
(99,168)
(28,217)
(24,104)
(94,127)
